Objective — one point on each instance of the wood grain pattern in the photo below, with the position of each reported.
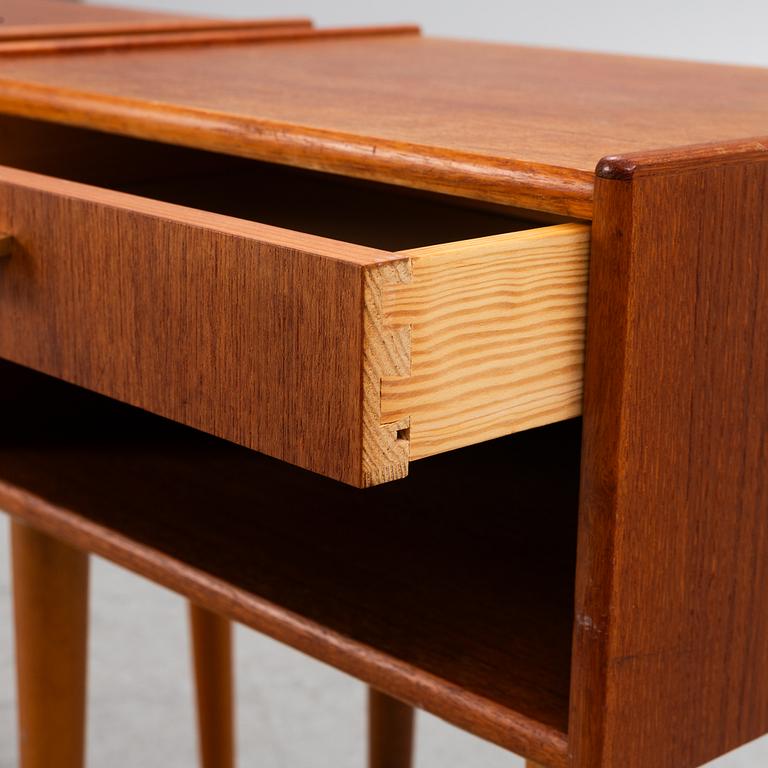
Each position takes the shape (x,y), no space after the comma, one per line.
(497,337)
(670,643)
(395,585)
(50,592)
(226,325)
(340,105)
(40,19)
(272,31)
(390,731)
(214,687)
(6,243)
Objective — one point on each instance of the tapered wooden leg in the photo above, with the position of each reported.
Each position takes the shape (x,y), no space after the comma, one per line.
(390,732)
(50,588)
(212,657)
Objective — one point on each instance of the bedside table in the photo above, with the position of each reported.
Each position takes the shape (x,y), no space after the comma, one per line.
(372,254)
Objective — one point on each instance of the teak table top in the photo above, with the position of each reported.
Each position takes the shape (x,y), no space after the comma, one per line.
(520,126)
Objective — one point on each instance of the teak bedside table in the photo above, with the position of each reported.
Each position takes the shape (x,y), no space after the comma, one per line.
(365,253)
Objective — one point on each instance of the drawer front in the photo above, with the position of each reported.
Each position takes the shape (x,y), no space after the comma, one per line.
(249,332)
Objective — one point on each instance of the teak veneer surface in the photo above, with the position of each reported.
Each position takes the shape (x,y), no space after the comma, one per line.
(671,631)
(520,126)
(467,616)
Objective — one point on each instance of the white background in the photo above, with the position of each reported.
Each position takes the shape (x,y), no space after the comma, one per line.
(293,712)
(735,31)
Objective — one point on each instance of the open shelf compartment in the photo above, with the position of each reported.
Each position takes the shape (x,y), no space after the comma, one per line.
(451,589)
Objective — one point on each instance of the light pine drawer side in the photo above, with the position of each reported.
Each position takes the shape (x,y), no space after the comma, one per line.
(496,337)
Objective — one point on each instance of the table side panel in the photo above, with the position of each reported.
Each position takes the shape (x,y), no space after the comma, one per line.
(671,634)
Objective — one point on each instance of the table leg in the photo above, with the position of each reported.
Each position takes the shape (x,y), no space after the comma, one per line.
(50,588)
(390,732)
(212,659)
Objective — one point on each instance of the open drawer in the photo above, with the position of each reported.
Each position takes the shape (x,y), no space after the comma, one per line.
(346,359)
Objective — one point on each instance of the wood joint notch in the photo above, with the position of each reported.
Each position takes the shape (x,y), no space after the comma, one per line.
(387,354)
(496,333)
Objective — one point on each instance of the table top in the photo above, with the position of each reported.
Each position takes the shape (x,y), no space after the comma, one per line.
(514,125)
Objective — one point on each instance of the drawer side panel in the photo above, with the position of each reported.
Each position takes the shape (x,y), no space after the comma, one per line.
(497,337)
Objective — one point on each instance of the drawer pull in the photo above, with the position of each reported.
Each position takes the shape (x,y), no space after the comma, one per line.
(6,241)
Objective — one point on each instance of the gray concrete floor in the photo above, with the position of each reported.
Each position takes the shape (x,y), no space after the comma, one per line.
(293,712)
